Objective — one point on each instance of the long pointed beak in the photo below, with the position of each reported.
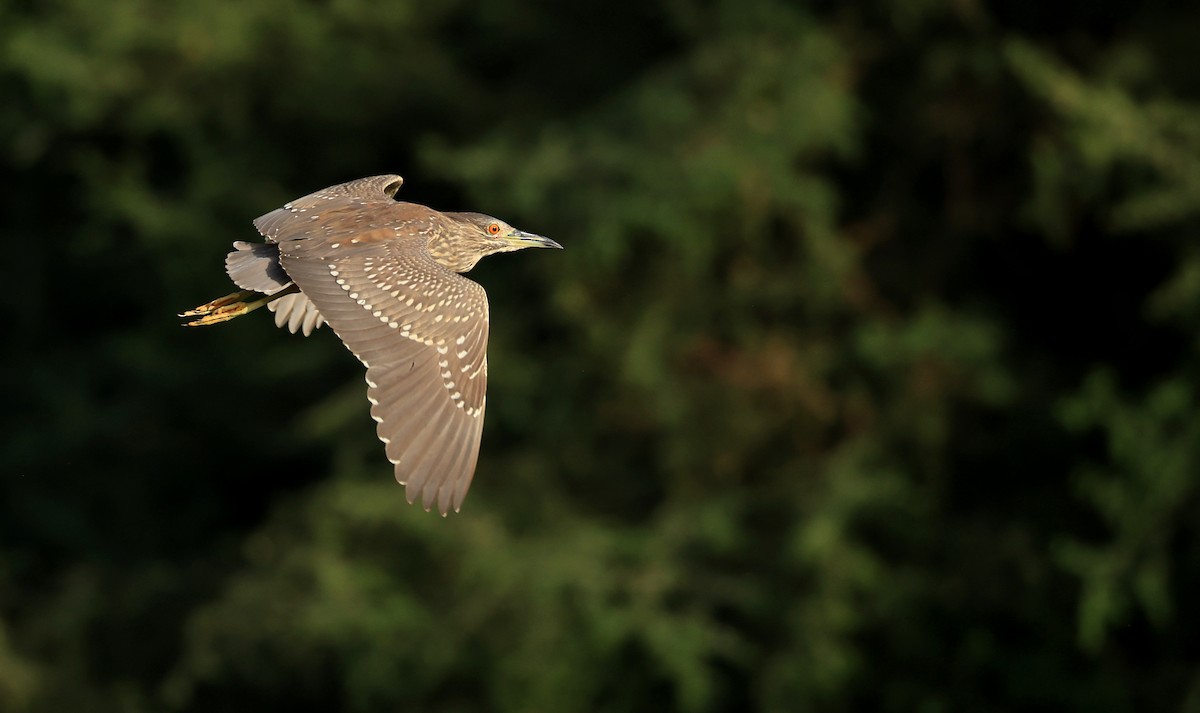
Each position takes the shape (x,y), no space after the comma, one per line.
(521,239)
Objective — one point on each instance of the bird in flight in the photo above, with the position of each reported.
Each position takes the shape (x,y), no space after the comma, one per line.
(384,275)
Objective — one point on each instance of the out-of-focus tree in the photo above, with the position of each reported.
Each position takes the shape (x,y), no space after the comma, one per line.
(867,379)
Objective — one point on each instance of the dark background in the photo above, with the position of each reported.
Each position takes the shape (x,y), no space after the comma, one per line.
(868,379)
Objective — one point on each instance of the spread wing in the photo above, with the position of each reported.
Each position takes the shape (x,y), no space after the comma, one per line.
(287,223)
(420,329)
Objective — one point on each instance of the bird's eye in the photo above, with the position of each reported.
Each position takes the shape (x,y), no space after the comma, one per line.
(493,229)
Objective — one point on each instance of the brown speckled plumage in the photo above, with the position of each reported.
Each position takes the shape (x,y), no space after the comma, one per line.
(384,275)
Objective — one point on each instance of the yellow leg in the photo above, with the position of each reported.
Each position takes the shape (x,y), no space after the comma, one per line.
(219,302)
(232,305)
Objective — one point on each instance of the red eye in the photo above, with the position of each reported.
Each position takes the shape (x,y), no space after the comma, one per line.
(493,229)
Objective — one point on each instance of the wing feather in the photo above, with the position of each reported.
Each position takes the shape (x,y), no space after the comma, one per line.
(421,331)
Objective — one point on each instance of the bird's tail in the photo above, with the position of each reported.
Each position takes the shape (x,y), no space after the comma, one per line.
(232,305)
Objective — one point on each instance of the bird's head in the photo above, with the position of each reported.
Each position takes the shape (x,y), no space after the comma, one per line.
(490,235)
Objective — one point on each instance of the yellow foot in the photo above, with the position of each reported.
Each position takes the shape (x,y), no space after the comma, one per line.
(223,313)
(235,305)
(211,307)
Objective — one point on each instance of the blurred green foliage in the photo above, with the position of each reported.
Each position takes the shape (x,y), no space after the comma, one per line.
(868,379)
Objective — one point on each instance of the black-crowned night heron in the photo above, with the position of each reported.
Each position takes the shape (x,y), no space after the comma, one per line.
(384,275)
